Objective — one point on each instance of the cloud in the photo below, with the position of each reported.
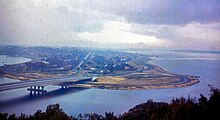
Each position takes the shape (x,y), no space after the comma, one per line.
(199,31)
(167,24)
(121,32)
(173,11)
(160,11)
(198,36)
(193,35)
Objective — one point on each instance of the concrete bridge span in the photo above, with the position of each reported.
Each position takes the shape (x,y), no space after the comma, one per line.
(37,86)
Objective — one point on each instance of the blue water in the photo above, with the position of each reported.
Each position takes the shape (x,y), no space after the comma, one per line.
(12,60)
(75,101)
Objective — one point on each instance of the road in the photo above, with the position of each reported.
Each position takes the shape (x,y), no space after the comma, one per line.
(87,56)
(42,82)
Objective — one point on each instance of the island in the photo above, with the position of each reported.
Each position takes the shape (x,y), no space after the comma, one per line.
(114,69)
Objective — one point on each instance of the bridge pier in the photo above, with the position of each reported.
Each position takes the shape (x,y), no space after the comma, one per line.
(37,86)
(36,90)
(64,87)
(31,90)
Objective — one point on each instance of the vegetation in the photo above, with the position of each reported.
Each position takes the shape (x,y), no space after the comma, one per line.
(178,109)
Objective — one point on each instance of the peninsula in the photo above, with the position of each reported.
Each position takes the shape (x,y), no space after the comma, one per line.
(115,69)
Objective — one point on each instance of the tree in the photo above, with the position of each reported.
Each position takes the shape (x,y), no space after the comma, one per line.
(3,116)
(54,112)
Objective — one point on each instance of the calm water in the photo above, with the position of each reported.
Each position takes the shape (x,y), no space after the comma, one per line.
(12,60)
(75,101)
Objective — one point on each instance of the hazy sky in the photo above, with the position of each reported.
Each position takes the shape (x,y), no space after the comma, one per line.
(160,24)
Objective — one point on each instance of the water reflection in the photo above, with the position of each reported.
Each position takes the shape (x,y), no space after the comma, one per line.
(29,98)
(77,100)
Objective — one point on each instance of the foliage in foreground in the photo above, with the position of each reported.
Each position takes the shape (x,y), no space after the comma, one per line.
(178,109)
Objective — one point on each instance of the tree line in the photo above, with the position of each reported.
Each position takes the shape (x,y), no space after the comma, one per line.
(182,108)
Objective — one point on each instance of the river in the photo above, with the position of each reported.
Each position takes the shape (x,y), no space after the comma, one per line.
(76,101)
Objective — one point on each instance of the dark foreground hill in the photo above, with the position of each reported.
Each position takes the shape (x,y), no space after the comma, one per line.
(179,109)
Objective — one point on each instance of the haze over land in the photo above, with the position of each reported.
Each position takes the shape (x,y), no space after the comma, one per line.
(150,24)
(92,56)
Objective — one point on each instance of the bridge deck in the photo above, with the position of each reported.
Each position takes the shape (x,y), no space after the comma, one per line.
(42,82)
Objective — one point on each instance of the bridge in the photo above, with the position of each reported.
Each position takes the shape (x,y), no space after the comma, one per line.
(37,86)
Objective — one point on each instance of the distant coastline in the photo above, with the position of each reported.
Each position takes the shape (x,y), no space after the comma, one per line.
(115,70)
(10,60)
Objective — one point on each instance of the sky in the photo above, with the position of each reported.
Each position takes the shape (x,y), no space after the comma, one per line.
(118,24)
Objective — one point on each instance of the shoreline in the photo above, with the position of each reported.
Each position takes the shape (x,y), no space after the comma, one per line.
(142,74)
(25,60)
(154,77)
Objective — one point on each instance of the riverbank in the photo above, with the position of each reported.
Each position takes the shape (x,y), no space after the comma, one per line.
(115,70)
(88,100)
(154,78)
(32,76)
(151,77)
